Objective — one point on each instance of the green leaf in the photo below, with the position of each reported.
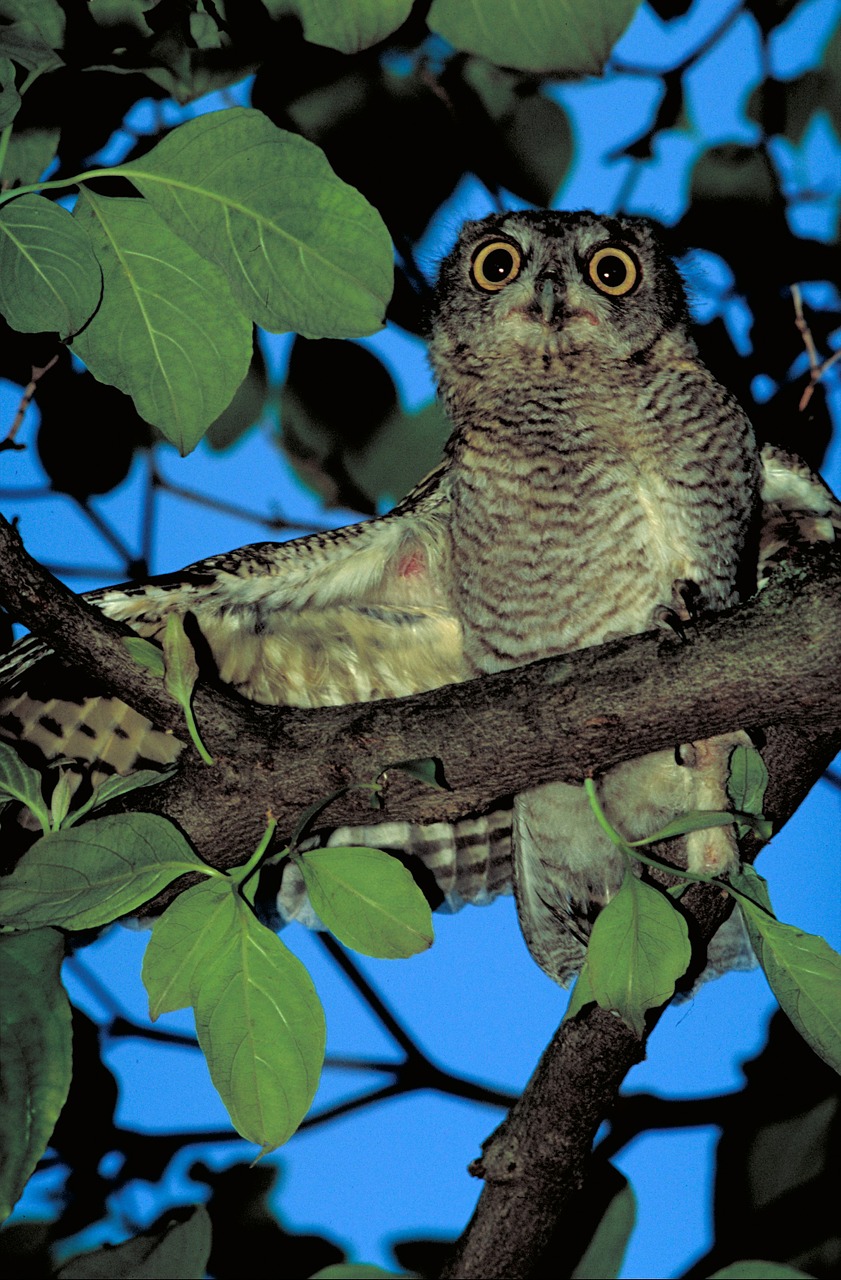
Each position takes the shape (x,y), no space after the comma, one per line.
(301,249)
(182,942)
(181,671)
(581,995)
(695,820)
(146,654)
(60,801)
(602,1259)
(566,37)
(28,154)
(49,276)
(168,332)
(36,1054)
(802,969)
(746,784)
(349,26)
(44,16)
(177,1249)
(9,96)
(429,770)
(732,172)
(19,781)
(399,454)
(639,947)
(118,786)
(369,900)
(24,43)
(86,876)
(258,1018)
(754,1269)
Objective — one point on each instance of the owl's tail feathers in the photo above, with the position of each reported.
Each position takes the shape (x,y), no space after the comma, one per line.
(455,864)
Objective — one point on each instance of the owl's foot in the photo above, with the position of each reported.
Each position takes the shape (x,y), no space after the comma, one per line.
(683,607)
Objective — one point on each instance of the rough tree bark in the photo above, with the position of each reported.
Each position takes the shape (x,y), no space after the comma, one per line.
(772,666)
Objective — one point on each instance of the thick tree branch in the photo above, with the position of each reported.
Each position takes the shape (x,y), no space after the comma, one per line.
(775,661)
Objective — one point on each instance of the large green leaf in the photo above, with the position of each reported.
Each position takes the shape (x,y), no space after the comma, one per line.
(169,332)
(802,969)
(638,949)
(301,249)
(258,1018)
(369,900)
(50,279)
(176,1249)
(36,1047)
(349,26)
(562,36)
(86,876)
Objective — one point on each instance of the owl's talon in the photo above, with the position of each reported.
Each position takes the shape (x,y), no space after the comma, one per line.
(664,616)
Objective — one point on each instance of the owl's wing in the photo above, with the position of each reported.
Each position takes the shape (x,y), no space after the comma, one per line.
(798,509)
(351,615)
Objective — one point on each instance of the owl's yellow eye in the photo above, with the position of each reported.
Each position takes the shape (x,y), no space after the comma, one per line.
(495,265)
(613,271)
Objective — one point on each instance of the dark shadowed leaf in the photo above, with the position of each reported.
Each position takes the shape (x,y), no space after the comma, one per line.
(89,875)
(602,1259)
(565,38)
(300,248)
(36,1054)
(349,26)
(174,1249)
(50,279)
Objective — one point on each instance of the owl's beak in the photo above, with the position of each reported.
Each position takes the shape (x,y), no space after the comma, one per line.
(549,298)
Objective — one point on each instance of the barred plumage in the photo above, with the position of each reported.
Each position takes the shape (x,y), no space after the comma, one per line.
(597,479)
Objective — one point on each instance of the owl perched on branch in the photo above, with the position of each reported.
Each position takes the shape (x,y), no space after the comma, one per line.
(598,483)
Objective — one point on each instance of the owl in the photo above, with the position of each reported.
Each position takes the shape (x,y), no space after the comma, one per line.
(598,482)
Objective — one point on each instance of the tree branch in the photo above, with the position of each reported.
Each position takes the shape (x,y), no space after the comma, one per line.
(775,661)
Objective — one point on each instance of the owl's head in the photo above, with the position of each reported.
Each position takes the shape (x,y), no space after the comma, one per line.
(546,286)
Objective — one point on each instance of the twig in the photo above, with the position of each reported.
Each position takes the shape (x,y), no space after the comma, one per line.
(25,401)
(817,368)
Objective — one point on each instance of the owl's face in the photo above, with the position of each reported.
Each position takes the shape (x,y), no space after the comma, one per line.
(551,285)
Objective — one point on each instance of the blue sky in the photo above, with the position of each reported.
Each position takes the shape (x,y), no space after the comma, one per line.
(476,1001)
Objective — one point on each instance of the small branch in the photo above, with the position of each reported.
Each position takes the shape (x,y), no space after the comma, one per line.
(25,401)
(817,368)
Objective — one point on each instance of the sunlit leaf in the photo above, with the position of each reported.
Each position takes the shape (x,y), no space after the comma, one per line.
(169,332)
(802,969)
(19,781)
(369,900)
(258,1018)
(146,654)
(177,1249)
(567,38)
(35,1045)
(301,249)
(85,876)
(639,947)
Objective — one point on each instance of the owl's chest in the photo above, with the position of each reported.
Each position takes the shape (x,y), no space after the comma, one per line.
(560,543)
